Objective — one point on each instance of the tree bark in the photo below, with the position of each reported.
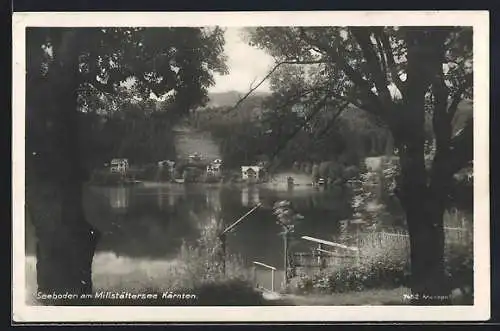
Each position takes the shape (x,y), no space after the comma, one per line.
(65,247)
(422,196)
(424,207)
(428,280)
(65,240)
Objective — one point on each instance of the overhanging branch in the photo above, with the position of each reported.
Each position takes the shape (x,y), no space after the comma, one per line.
(372,102)
(276,66)
(307,119)
(362,36)
(391,62)
(332,121)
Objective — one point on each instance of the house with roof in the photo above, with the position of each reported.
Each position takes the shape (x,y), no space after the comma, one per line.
(214,168)
(250,173)
(119,166)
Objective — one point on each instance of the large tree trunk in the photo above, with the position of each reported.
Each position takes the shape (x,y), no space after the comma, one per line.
(65,244)
(424,207)
(428,280)
(422,196)
(66,241)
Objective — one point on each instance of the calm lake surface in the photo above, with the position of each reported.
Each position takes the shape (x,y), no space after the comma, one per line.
(143,227)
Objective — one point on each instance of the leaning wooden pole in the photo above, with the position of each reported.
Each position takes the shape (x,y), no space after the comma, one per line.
(222,235)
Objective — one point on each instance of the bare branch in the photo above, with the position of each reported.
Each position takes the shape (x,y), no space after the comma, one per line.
(295,98)
(307,119)
(276,66)
(253,82)
(332,121)
(372,102)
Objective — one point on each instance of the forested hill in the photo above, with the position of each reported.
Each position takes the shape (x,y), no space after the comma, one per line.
(229,98)
(188,141)
(250,132)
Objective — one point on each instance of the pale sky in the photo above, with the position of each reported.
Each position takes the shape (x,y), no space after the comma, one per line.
(246,65)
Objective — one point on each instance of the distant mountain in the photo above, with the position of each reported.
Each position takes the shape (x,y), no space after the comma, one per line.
(229,98)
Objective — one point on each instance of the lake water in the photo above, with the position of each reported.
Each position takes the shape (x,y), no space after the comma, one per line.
(143,227)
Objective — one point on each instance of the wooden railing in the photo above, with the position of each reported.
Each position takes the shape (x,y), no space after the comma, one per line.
(268,267)
(325,254)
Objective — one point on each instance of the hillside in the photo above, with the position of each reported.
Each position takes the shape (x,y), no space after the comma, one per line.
(229,98)
(189,141)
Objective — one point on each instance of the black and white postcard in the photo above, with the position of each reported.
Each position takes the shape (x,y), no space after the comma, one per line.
(251,166)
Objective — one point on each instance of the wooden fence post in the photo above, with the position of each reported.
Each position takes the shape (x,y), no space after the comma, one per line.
(272,280)
(254,276)
(285,259)
(320,257)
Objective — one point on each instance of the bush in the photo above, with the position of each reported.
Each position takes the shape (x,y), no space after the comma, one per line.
(201,262)
(385,263)
(201,270)
(231,292)
(385,260)
(198,270)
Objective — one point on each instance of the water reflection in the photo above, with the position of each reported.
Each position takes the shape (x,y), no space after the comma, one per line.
(213,200)
(109,271)
(140,225)
(118,197)
(249,196)
(166,198)
(152,222)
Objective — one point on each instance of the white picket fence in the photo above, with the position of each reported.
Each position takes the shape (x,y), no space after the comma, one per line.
(452,235)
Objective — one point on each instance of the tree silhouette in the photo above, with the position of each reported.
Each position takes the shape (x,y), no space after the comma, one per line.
(63,63)
(401,77)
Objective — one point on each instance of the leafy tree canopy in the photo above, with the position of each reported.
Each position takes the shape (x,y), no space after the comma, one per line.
(120,73)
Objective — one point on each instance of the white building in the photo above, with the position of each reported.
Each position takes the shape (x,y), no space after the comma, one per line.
(119,165)
(250,172)
(214,169)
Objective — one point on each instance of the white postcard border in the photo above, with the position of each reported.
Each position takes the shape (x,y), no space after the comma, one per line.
(479,311)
